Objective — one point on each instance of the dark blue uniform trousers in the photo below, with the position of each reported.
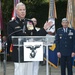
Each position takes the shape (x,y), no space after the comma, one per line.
(66,61)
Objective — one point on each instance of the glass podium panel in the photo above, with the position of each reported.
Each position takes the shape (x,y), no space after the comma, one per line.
(46,40)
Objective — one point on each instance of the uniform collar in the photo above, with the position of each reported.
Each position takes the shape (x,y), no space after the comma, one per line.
(19,20)
(66,28)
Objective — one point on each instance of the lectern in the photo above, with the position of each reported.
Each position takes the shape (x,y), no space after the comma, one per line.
(20,40)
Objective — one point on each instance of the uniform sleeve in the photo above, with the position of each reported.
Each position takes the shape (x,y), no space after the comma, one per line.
(9,40)
(10,30)
(74,42)
(57,41)
(41,32)
(34,32)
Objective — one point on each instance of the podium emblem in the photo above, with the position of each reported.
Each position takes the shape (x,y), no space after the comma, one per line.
(33,51)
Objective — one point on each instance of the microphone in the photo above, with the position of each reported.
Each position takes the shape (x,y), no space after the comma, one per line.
(23,26)
(24,29)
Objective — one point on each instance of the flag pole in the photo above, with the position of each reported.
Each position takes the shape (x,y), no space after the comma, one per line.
(50,18)
(70,13)
(3,53)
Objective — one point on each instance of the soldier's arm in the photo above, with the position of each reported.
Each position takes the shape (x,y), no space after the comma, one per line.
(57,41)
(74,41)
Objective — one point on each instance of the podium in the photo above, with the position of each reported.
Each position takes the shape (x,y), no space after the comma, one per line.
(18,41)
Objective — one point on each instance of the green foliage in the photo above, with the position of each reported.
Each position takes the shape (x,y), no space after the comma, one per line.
(7,10)
(61,8)
(38,11)
(35,8)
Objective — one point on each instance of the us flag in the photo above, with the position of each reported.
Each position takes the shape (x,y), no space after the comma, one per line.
(13,13)
(52,58)
(1,27)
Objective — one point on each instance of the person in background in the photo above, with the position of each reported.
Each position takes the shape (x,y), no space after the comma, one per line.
(22,26)
(37,28)
(35,63)
(35,24)
(65,46)
(4,48)
(4,41)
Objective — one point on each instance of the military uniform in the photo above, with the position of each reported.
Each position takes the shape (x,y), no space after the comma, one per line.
(23,27)
(15,28)
(65,44)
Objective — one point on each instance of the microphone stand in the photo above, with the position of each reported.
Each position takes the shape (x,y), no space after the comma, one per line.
(5,57)
(15,32)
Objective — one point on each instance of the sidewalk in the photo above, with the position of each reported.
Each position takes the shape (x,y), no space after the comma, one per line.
(42,70)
